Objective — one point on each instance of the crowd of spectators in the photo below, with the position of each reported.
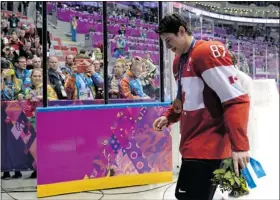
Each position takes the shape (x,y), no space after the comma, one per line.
(80,77)
(144,84)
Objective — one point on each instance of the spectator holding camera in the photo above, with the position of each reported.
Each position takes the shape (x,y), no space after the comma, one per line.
(84,83)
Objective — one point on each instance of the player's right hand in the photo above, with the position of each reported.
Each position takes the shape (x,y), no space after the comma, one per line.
(160,123)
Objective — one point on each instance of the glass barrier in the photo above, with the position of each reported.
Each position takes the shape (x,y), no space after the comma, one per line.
(133,51)
(272,57)
(244,55)
(168,62)
(195,23)
(21,53)
(207,29)
(75,64)
(260,60)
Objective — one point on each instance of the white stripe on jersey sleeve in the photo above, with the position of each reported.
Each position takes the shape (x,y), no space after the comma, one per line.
(218,79)
(246,82)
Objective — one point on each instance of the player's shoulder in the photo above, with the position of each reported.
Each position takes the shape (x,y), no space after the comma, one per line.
(203,47)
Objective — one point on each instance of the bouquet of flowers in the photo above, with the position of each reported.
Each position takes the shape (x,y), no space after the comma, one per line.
(227,180)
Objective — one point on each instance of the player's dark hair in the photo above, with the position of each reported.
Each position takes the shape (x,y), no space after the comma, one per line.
(172,23)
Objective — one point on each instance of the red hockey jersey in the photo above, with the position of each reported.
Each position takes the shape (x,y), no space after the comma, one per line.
(215,105)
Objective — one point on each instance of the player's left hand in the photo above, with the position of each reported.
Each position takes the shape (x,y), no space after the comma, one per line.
(240,159)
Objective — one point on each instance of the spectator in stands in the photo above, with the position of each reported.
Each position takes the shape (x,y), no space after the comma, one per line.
(121,44)
(74,25)
(130,86)
(82,52)
(25,4)
(10,54)
(69,62)
(122,30)
(4,24)
(147,78)
(23,75)
(25,50)
(22,36)
(132,23)
(97,54)
(148,57)
(84,83)
(29,64)
(114,80)
(36,47)
(35,92)
(14,20)
(97,67)
(55,78)
(15,41)
(10,85)
(4,39)
(128,64)
(144,32)
(36,62)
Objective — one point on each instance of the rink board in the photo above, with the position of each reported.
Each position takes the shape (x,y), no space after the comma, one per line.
(95,147)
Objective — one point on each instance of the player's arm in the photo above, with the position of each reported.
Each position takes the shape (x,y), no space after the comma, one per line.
(215,66)
(171,116)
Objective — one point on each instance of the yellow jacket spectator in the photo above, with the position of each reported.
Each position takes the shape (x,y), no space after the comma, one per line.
(35,92)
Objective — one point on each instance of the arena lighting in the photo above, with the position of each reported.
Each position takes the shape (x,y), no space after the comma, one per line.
(198,13)
(229,18)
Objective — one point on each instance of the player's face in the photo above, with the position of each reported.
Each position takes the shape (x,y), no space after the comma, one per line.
(175,42)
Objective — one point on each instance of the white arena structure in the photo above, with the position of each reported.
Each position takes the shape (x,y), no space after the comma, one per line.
(248,30)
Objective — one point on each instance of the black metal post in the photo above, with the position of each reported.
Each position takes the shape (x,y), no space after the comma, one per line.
(44,46)
(161,53)
(105,52)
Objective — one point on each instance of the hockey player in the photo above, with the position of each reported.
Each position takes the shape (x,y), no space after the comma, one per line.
(211,105)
